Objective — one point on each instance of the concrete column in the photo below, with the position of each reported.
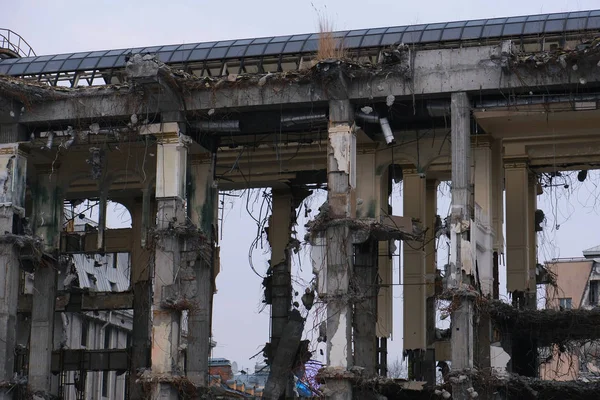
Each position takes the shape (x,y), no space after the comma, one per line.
(341,184)
(141,284)
(279,231)
(431,187)
(171,167)
(203,208)
(521,248)
(414,277)
(461,266)
(373,267)
(13,169)
(498,211)
(533,191)
(365,309)
(518,232)
(48,208)
(484,238)
(413,196)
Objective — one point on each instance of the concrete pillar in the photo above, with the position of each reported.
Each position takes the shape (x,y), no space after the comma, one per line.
(532,207)
(365,309)
(431,187)
(518,232)
(413,196)
(341,184)
(279,235)
(203,209)
(498,211)
(373,267)
(461,266)
(48,209)
(521,257)
(13,169)
(171,167)
(141,285)
(484,237)
(415,282)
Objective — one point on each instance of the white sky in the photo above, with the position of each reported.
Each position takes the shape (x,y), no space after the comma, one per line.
(62,26)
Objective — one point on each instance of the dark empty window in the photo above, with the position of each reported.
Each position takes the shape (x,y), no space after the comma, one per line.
(107,335)
(593,296)
(85,327)
(105,384)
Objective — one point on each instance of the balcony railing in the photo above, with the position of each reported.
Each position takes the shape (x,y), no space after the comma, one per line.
(13,44)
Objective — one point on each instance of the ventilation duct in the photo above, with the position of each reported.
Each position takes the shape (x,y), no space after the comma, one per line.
(438,108)
(218,126)
(373,118)
(290,120)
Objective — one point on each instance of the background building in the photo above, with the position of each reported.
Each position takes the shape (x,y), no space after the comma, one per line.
(577,286)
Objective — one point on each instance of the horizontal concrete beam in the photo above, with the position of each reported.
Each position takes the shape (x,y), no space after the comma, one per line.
(90,360)
(78,302)
(116,241)
(432,72)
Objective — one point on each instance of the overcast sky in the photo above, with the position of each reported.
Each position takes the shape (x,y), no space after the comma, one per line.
(61,26)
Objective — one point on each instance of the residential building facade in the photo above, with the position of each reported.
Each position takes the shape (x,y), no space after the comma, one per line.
(577,286)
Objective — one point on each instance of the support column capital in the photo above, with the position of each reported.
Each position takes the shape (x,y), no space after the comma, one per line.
(516,163)
(482,141)
(200,158)
(410,169)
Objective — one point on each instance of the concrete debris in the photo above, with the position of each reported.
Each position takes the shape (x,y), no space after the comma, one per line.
(139,67)
(95,128)
(389,100)
(96,160)
(562,57)
(367,109)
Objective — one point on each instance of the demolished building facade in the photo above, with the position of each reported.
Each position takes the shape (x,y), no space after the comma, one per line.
(487,104)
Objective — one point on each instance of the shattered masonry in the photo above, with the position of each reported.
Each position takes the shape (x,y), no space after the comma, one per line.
(163,139)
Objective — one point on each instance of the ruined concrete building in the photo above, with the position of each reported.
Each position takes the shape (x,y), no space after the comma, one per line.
(489,105)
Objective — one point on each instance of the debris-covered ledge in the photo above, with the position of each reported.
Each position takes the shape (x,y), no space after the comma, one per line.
(512,386)
(195,240)
(587,51)
(547,326)
(388,228)
(378,387)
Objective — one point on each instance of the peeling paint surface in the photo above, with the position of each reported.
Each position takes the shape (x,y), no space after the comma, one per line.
(343,143)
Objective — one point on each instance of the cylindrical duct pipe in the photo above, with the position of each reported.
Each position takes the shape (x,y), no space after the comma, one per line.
(302,119)
(218,126)
(387,131)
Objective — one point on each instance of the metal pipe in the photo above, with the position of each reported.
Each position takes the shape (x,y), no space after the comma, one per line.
(218,126)
(371,117)
(300,119)
(387,131)
(438,108)
(374,118)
